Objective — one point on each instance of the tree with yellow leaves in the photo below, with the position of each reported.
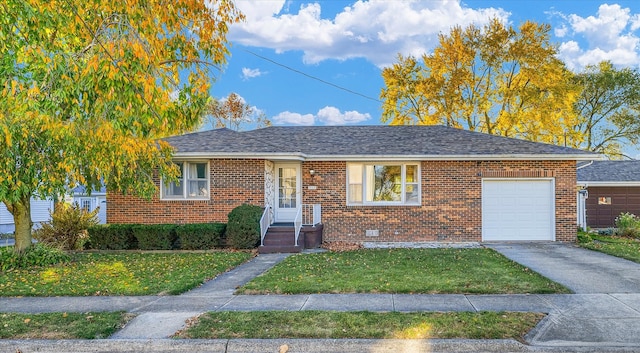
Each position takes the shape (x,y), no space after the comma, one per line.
(234,113)
(89,86)
(493,79)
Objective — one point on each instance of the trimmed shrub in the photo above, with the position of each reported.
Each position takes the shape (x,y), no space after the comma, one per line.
(67,229)
(155,236)
(243,228)
(112,237)
(628,225)
(200,236)
(36,255)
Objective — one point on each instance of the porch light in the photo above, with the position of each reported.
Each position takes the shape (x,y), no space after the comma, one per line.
(312,172)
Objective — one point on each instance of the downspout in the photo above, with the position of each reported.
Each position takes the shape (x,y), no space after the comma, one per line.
(582,218)
(586,165)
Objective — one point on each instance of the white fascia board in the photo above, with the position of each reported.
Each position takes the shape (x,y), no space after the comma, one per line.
(269,156)
(303,157)
(492,157)
(608,183)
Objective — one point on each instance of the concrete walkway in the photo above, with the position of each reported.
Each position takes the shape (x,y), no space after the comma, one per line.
(592,320)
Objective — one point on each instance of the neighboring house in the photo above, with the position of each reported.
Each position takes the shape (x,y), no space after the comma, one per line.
(609,188)
(89,202)
(39,213)
(372,183)
(40,208)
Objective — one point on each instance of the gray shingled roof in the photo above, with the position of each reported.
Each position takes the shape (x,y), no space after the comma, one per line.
(612,171)
(218,141)
(379,140)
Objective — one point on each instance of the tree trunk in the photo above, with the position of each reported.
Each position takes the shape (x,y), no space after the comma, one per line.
(21,212)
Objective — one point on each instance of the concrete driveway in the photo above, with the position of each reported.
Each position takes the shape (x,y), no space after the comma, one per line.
(605,311)
(581,270)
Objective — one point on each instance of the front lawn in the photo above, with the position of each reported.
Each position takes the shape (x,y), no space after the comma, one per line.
(331,324)
(626,248)
(478,271)
(123,273)
(55,326)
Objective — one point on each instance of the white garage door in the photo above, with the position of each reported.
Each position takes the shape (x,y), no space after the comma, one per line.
(518,209)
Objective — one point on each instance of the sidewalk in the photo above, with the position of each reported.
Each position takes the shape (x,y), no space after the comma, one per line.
(576,322)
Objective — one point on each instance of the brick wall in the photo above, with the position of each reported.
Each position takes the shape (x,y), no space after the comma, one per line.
(451,201)
(232,183)
(450,210)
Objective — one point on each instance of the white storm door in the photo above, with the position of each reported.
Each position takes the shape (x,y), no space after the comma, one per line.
(288,191)
(518,210)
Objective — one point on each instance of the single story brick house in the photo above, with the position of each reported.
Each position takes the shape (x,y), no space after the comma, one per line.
(609,189)
(372,183)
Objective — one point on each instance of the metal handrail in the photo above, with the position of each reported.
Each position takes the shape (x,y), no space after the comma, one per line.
(265,222)
(311,214)
(317,214)
(298,223)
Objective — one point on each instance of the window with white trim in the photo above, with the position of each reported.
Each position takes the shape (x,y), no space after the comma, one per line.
(383,184)
(192,183)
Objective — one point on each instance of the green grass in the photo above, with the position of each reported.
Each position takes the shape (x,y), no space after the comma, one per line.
(122,273)
(331,324)
(476,271)
(626,248)
(61,325)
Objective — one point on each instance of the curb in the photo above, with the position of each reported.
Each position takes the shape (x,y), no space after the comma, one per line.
(290,346)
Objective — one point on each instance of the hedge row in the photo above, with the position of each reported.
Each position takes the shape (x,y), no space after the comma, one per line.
(199,236)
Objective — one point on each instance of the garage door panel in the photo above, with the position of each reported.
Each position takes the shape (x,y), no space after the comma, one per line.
(517,209)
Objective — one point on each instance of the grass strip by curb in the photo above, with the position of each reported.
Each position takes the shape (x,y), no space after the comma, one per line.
(61,325)
(363,324)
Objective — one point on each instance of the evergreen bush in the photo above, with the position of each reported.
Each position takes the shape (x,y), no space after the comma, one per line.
(243,227)
(155,236)
(200,236)
(112,237)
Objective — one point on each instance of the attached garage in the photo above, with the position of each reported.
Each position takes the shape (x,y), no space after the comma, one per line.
(518,210)
(605,204)
(609,189)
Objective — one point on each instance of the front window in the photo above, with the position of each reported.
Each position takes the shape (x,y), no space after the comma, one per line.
(383,183)
(85,204)
(604,200)
(192,182)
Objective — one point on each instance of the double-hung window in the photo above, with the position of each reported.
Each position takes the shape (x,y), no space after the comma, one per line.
(192,183)
(383,183)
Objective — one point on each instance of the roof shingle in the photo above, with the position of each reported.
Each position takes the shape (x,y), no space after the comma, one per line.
(379,140)
(612,171)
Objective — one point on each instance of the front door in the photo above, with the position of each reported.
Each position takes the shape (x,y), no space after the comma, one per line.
(288,192)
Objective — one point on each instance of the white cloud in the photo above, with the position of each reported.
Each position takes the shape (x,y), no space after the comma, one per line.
(248,73)
(561,31)
(376,30)
(333,116)
(325,116)
(609,35)
(289,118)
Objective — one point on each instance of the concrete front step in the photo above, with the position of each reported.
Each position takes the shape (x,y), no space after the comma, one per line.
(280,239)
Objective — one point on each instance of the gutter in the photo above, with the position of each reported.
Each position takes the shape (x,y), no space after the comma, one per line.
(609,183)
(298,156)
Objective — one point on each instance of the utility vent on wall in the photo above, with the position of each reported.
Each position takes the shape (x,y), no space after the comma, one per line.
(371,233)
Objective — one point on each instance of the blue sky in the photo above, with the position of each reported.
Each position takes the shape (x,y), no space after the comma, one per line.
(347,43)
